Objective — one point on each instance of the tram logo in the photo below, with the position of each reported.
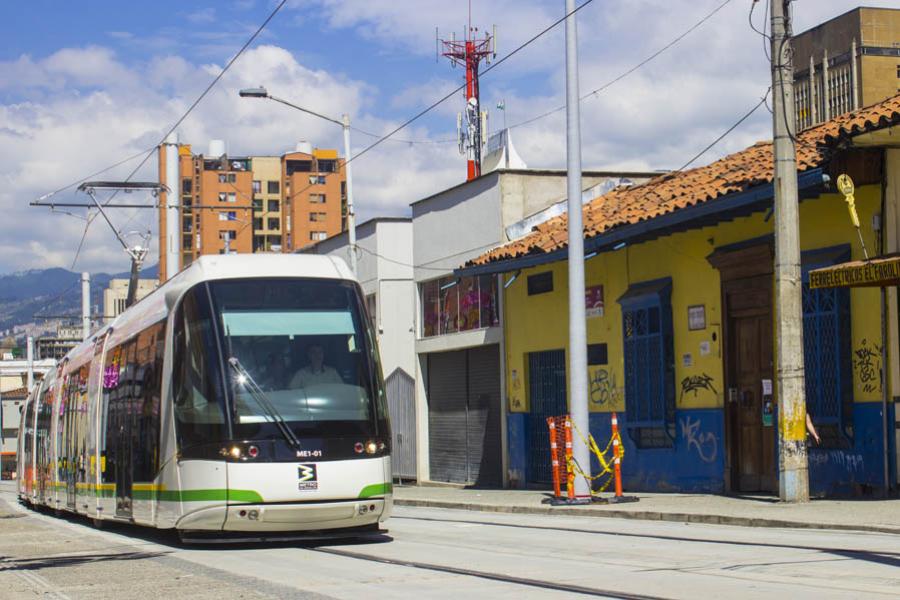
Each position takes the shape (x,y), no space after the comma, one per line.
(307,477)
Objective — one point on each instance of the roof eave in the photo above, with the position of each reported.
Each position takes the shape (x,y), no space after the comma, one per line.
(730,206)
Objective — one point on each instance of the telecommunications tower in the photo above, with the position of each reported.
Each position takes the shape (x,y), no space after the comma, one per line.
(471,124)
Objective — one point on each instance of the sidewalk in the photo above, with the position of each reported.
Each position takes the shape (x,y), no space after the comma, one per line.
(857,515)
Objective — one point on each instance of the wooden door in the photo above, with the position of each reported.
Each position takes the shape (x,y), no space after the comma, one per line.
(750,362)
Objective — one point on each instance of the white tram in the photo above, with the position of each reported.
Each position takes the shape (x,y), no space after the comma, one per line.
(243,396)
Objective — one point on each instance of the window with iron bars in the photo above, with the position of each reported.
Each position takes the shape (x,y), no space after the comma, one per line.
(827,351)
(649,359)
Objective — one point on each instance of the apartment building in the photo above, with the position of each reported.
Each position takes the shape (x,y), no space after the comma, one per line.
(850,61)
(244,204)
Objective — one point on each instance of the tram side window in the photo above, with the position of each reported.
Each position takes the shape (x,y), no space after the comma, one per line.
(146,392)
(28,437)
(197,381)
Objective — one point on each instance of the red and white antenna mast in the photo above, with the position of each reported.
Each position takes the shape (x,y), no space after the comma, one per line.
(472,124)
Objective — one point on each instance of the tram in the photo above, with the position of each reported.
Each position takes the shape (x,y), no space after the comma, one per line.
(244,397)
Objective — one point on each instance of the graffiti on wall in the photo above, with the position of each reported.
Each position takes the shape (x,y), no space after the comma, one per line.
(603,388)
(704,442)
(515,401)
(867,360)
(696,383)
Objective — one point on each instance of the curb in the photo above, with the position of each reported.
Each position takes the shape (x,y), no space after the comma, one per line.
(643,515)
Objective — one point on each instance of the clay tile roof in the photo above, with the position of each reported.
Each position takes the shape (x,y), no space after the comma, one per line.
(19,392)
(672,191)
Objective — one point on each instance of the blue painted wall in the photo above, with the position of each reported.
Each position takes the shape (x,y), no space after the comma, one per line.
(859,469)
(696,462)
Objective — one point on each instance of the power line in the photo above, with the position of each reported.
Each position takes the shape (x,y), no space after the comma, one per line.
(727,131)
(629,71)
(190,109)
(446,97)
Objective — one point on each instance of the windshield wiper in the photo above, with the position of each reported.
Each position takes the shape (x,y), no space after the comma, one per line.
(245,379)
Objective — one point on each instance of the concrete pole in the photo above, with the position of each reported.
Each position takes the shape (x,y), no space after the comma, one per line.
(29,358)
(854,77)
(793,484)
(351,215)
(85,305)
(578,380)
(173,199)
(813,93)
(826,93)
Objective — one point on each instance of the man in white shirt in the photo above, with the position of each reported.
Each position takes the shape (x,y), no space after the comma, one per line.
(316,372)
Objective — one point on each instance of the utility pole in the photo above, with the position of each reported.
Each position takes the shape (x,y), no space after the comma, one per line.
(85,305)
(173,227)
(793,482)
(348,177)
(578,380)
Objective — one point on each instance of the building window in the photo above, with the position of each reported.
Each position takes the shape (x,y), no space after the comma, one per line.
(452,304)
(317,198)
(318,216)
(320,179)
(257,223)
(232,197)
(222,178)
(229,234)
(827,352)
(327,165)
(223,196)
(294,166)
(186,186)
(232,178)
(273,224)
(257,204)
(649,363)
(273,187)
(540,283)
(228,216)
(317,236)
(256,186)
(273,206)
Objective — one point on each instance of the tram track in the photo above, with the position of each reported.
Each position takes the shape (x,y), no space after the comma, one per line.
(673,538)
(524,581)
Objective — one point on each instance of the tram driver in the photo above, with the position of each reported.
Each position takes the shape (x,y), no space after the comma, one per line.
(316,372)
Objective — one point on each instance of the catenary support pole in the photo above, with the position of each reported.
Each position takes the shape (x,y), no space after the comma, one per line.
(173,229)
(85,305)
(29,361)
(578,381)
(351,216)
(793,484)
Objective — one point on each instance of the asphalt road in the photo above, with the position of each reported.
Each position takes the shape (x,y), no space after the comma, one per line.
(434,553)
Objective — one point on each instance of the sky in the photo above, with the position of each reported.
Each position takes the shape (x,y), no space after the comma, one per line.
(84,85)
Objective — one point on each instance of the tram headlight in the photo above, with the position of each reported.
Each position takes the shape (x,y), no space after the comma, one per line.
(371,447)
(235,452)
(358,447)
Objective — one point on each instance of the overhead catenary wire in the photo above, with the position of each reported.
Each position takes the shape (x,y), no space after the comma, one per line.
(628,72)
(457,89)
(181,119)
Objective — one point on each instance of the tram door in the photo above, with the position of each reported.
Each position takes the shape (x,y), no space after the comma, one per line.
(68,450)
(120,431)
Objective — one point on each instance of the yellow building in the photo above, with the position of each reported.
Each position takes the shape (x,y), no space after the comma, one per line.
(680,320)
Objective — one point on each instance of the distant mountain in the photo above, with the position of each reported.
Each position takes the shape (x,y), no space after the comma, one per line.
(29,296)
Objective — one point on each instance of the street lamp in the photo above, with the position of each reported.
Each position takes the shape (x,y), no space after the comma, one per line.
(261,92)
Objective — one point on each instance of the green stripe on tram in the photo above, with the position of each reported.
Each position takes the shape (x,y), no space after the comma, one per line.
(376,489)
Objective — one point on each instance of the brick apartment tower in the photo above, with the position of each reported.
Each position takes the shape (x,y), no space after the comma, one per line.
(253,203)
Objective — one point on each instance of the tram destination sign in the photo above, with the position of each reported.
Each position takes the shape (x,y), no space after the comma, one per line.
(877,272)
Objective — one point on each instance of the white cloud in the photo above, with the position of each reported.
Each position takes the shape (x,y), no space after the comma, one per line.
(203,16)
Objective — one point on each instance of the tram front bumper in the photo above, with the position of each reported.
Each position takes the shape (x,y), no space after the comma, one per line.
(306,516)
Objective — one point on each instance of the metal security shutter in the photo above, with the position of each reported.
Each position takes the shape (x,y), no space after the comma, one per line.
(401,392)
(447,416)
(483,425)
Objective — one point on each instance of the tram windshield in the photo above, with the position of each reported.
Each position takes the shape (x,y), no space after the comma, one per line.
(293,353)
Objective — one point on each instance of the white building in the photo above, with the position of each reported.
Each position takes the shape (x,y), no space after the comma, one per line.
(384,270)
(460,400)
(116,293)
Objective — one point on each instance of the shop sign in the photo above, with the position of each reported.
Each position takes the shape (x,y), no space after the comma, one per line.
(593,301)
(877,272)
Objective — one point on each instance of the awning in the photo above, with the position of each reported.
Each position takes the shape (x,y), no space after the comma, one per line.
(882,271)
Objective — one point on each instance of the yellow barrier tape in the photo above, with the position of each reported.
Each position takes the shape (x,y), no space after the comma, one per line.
(607,467)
